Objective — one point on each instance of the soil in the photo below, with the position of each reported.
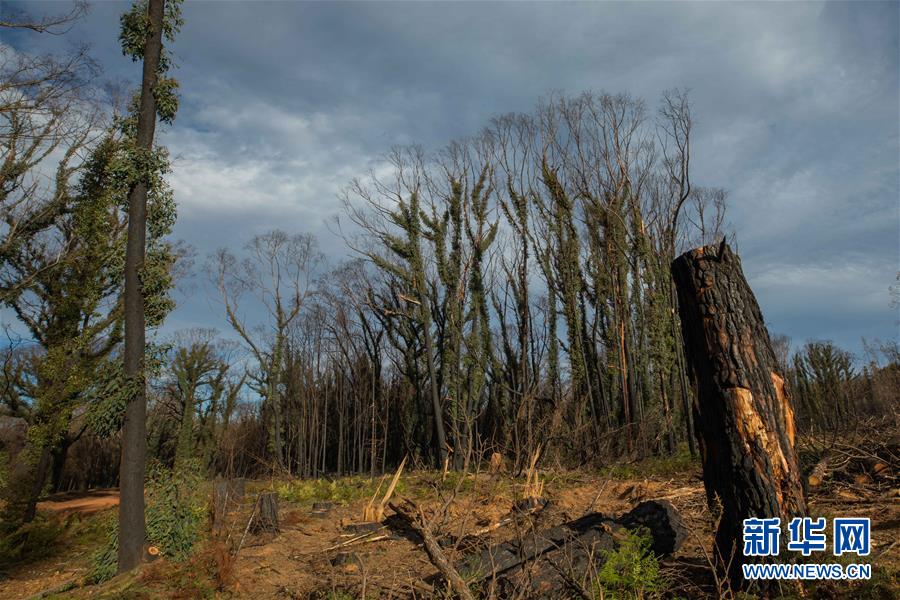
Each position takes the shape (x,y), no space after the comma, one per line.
(320,554)
(84,503)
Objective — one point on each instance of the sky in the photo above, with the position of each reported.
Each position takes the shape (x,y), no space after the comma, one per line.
(796,110)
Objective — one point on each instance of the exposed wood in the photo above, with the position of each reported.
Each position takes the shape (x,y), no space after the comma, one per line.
(375,511)
(364,538)
(534,487)
(743,414)
(818,473)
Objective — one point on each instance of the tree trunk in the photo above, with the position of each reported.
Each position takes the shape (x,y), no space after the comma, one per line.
(440,437)
(132,527)
(743,416)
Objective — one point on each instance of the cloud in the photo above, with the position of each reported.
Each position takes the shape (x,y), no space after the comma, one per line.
(796,110)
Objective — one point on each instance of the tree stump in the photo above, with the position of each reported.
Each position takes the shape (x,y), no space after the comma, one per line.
(265,518)
(742,412)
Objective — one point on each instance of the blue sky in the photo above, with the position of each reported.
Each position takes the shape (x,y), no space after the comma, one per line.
(797,111)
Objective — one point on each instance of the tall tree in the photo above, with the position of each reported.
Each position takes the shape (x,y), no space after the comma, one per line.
(141,35)
(396,224)
(71,306)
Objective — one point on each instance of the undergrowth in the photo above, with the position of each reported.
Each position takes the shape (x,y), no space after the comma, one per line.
(680,462)
(340,491)
(31,541)
(175,512)
(631,571)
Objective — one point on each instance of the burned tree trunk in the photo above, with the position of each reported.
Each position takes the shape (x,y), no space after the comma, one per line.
(743,416)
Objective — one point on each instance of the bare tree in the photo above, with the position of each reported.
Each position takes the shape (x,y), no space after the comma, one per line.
(54,24)
(278,271)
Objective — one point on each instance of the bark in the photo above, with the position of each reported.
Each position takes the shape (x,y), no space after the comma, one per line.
(440,435)
(743,415)
(132,526)
(37,484)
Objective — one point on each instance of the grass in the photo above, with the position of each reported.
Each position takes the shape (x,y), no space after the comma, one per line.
(344,490)
(47,534)
(680,462)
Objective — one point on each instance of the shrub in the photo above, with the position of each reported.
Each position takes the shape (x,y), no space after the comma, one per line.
(631,571)
(31,541)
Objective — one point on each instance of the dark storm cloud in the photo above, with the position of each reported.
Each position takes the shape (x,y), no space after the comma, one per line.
(796,110)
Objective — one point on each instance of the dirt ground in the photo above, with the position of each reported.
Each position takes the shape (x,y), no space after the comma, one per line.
(83,503)
(301,560)
(318,554)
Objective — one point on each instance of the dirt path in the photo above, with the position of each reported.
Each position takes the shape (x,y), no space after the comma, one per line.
(59,568)
(87,502)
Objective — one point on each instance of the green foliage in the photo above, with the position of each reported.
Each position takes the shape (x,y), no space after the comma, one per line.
(110,391)
(135,27)
(822,374)
(175,513)
(31,541)
(631,571)
(340,491)
(680,462)
(166,94)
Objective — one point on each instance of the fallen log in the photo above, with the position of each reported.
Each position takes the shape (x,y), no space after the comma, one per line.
(435,554)
(742,411)
(560,561)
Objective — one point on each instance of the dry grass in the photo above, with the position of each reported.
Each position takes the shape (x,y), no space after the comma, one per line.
(303,560)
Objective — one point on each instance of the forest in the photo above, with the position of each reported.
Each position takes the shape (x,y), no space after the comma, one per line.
(506,348)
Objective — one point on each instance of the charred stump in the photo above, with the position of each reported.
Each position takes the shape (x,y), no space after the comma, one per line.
(742,413)
(265,515)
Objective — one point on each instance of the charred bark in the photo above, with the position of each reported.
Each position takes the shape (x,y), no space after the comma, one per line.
(743,415)
(560,562)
